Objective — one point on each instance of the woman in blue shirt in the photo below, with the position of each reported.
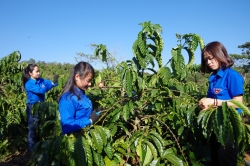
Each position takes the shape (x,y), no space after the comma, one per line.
(76,110)
(224,84)
(35,88)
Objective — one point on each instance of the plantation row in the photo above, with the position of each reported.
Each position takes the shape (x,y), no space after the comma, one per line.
(152,116)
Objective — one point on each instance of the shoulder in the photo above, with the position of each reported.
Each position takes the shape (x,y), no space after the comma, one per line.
(234,74)
(68,96)
(234,78)
(30,82)
(41,80)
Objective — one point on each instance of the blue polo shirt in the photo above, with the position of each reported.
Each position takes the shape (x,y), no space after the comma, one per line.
(36,89)
(225,84)
(74,113)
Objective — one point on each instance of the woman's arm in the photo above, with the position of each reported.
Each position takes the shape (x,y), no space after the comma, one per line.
(206,102)
(70,123)
(35,88)
(40,87)
(49,84)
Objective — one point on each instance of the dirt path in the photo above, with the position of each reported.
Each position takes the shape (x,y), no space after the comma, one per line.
(18,159)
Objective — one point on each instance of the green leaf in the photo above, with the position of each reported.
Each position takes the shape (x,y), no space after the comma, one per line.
(240,105)
(148,156)
(139,149)
(97,140)
(3,143)
(205,118)
(102,133)
(247,134)
(191,57)
(157,144)
(134,136)
(109,162)
(172,158)
(208,123)
(154,92)
(108,150)
(190,114)
(80,152)
(114,130)
(165,74)
(200,116)
(219,124)
(236,124)
(116,115)
(122,151)
(118,156)
(180,130)
(155,162)
(126,112)
(158,136)
(152,148)
(127,83)
(98,159)
(178,63)
(225,130)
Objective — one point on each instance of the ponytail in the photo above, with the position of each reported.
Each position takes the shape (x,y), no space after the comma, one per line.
(83,69)
(26,75)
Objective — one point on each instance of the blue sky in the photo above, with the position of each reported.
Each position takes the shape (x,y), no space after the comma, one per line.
(55,30)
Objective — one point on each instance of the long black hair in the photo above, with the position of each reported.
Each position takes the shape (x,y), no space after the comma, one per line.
(83,69)
(26,75)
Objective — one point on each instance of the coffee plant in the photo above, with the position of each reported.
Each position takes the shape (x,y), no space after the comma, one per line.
(12,104)
(151,112)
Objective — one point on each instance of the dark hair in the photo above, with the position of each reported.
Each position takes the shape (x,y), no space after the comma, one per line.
(219,52)
(83,69)
(26,75)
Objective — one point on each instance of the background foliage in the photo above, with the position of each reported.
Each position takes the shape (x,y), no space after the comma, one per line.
(151,113)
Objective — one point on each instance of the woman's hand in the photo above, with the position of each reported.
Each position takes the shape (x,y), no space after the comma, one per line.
(55,78)
(204,103)
(94,116)
(102,84)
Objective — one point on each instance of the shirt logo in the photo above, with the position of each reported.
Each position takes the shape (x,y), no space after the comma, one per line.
(43,86)
(217,90)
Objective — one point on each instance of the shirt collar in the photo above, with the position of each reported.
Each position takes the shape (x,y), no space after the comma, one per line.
(221,72)
(78,91)
(33,80)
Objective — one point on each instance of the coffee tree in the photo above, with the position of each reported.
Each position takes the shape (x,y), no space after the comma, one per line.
(12,104)
(151,115)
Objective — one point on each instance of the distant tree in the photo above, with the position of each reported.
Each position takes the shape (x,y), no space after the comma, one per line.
(31,61)
(101,55)
(245,48)
(242,62)
(196,76)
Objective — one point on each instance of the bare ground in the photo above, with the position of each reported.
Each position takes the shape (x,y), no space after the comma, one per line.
(17,159)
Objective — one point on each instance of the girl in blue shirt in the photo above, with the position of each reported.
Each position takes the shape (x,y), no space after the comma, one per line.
(76,110)
(35,88)
(224,84)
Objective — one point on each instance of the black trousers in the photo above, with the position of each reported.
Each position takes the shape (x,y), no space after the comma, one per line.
(32,125)
(223,155)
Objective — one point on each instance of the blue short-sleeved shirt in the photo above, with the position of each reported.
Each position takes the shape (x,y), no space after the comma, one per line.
(36,89)
(74,113)
(225,84)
